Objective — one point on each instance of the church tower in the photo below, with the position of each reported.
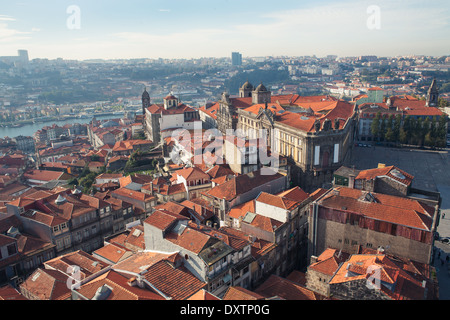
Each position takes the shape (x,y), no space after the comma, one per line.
(432,95)
(245,90)
(261,95)
(145,101)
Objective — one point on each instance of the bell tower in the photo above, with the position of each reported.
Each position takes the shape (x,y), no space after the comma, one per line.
(145,101)
(433,95)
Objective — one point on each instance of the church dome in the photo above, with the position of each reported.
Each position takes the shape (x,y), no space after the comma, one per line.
(247,85)
(145,94)
(261,88)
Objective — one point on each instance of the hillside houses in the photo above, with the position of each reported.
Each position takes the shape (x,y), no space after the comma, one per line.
(182,229)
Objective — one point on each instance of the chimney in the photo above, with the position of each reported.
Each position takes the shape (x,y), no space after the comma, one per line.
(351,181)
(132,282)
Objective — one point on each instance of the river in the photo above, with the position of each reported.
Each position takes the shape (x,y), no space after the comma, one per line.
(30,129)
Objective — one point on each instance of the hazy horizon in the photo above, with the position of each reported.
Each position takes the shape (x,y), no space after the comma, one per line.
(179,29)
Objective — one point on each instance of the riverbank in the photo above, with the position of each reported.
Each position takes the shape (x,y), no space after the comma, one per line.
(28,127)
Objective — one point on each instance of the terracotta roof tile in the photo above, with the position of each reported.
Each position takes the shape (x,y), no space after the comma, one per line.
(397,210)
(276,286)
(390,171)
(87,263)
(380,267)
(202,294)
(239,293)
(112,252)
(46,284)
(177,283)
(277,201)
(241,184)
(120,289)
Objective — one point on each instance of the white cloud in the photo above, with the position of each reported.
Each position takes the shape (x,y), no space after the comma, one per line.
(6,18)
(337,28)
(11,35)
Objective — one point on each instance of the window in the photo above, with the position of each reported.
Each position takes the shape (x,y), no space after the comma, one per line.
(55,228)
(12,249)
(40,259)
(59,244)
(66,241)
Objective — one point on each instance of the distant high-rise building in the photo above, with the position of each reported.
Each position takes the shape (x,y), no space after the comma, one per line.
(236,59)
(20,60)
(23,55)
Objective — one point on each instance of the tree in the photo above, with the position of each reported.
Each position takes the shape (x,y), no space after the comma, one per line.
(375,126)
(389,136)
(397,126)
(72,182)
(403,136)
(382,132)
(442,127)
(429,140)
(443,103)
(407,125)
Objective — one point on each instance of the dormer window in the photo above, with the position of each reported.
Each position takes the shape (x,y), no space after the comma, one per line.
(12,249)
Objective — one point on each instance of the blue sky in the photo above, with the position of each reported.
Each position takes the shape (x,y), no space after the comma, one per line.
(215,28)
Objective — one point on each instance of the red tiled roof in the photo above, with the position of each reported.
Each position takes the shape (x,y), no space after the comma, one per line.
(43,175)
(177,283)
(120,289)
(397,210)
(173,207)
(112,252)
(382,268)
(202,294)
(192,174)
(277,201)
(276,286)
(8,292)
(328,262)
(190,239)
(163,219)
(241,184)
(239,293)
(87,263)
(132,194)
(389,171)
(46,284)
(265,223)
(295,193)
